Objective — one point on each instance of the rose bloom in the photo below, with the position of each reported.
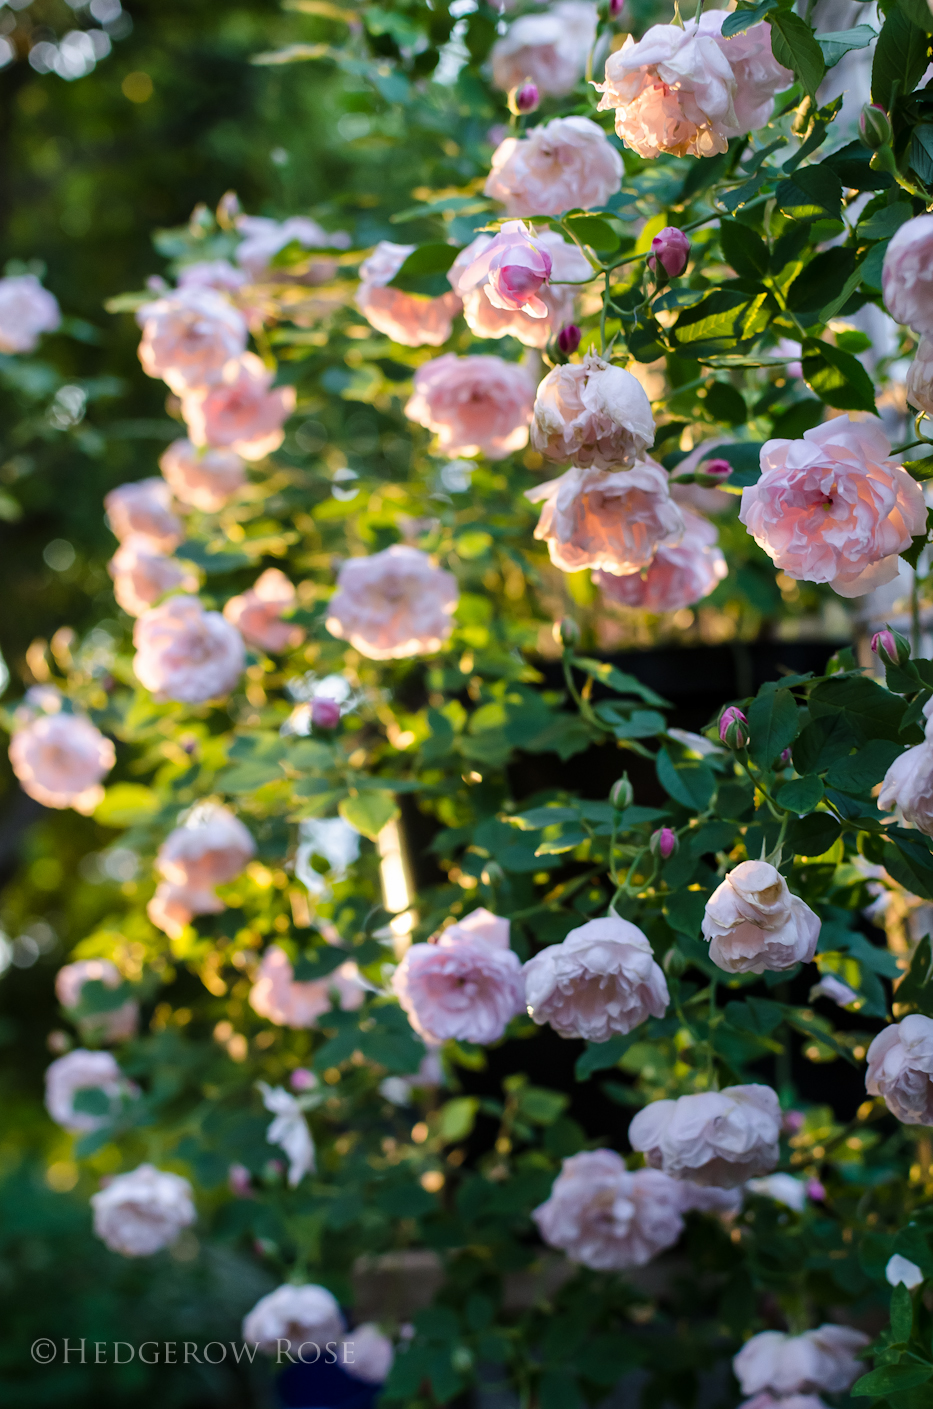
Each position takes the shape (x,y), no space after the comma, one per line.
(466,984)
(754,924)
(788,1401)
(907,276)
(291,1317)
(82,1071)
(409,319)
(617,521)
(109,1025)
(60,760)
(758,75)
(393,604)
(217,274)
(604,1217)
(920,377)
(601,979)
(823,1359)
(205,478)
(478,405)
(366,1354)
(144,508)
(257,614)
(714,1137)
(185,653)
(276,995)
(27,310)
(565,164)
(592,414)
(833,507)
(487,321)
(679,575)
(512,267)
(240,412)
(211,848)
(263,238)
(188,338)
(550,49)
(908,787)
(141,575)
(140,1213)
(900,1069)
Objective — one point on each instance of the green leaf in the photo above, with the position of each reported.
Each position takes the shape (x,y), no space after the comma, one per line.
(869,711)
(813,1029)
(801,794)
(594,231)
(918,12)
(772,725)
(316,963)
(858,772)
(369,812)
(889,1379)
(456,1118)
(617,679)
(837,378)
(813,835)
(125,804)
(541,1106)
(600,1056)
(743,18)
(684,911)
(916,987)
(822,281)
(901,56)
(725,318)
(812,193)
(742,247)
(794,46)
(692,784)
(921,151)
(426,262)
(910,863)
(902,1313)
(836,43)
(724,402)
(885,222)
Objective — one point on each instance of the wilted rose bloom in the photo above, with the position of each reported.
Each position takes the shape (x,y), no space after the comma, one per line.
(109,1025)
(565,164)
(478,405)
(82,1071)
(144,508)
(366,1354)
(204,478)
(257,614)
(141,575)
(185,653)
(393,604)
(263,238)
(277,996)
(754,924)
(293,1316)
(409,319)
(27,310)
(242,411)
(550,48)
(833,507)
(601,979)
(900,1069)
(210,849)
(920,377)
(217,274)
(487,321)
(512,268)
(907,276)
(604,1217)
(615,521)
(467,985)
(823,1359)
(679,575)
(60,760)
(140,1213)
(188,338)
(713,1137)
(592,414)
(908,787)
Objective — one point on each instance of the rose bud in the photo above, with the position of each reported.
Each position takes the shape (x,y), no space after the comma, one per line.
(615,8)
(785,756)
(717,469)
(325,714)
(664,843)
(891,647)
(568,339)
(874,125)
(239,1181)
(302,1079)
(566,631)
(622,794)
(675,962)
(815,1191)
(671,248)
(524,98)
(733,728)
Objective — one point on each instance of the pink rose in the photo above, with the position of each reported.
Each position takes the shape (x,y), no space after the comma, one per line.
(296,1316)
(241,411)
(823,1359)
(615,521)
(604,1217)
(185,653)
(263,238)
(205,479)
(257,614)
(409,319)
(466,985)
(27,310)
(679,575)
(563,164)
(513,267)
(140,1213)
(144,507)
(601,979)
(754,924)
(833,507)
(210,849)
(479,405)
(908,787)
(393,604)
(366,1354)
(60,760)
(488,321)
(789,1401)
(550,49)
(110,1024)
(900,1069)
(141,575)
(907,276)
(217,274)
(592,413)
(276,995)
(188,338)
(82,1071)
(758,75)
(714,1137)
(920,377)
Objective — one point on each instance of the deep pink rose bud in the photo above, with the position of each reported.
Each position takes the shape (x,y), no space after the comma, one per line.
(717,469)
(524,98)
(891,647)
(615,8)
(302,1080)
(325,714)
(664,842)
(671,248)
(733,728)
(874,127)
(239,1180)
(793,1121)
(815,1191)
(568,339)
(785,756)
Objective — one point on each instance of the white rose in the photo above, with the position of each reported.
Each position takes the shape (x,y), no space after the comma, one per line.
(83,1071)
(142,1212)
(293,1316)
(714,1137)
(900,1069)
(592,414)
(753,923)
(907,276)
(367,1354)
(823,1359)
(908,787)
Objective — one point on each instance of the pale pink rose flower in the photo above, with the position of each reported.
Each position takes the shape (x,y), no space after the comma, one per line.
(263,238)
(900,1069)
(366,1354)
(243,412)
(823,1359)
(141,575)
(908,787)
(835,990)
(110,1025)
(512,268)
(210,849)
(144,507)
(217,274)
(758,75)
(592,414)
(604,1217)
(465,984)
(907,276)
(185,653)
(714,1137)
(486,321)
(294,1316)
(393,604)
(695,1198)
(679,575)
(565,164)
(601,979)
(60,760)
(278,997)
(188,338)
(140,1213)
(409,319)
(765,1400)
(614,521)
(754,924)
(173,907)
(257,614)
(82,1071)
(481,924)
(479,405)
(204,478)
(550,49)
(920,377)
(834,507)
(27,310)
